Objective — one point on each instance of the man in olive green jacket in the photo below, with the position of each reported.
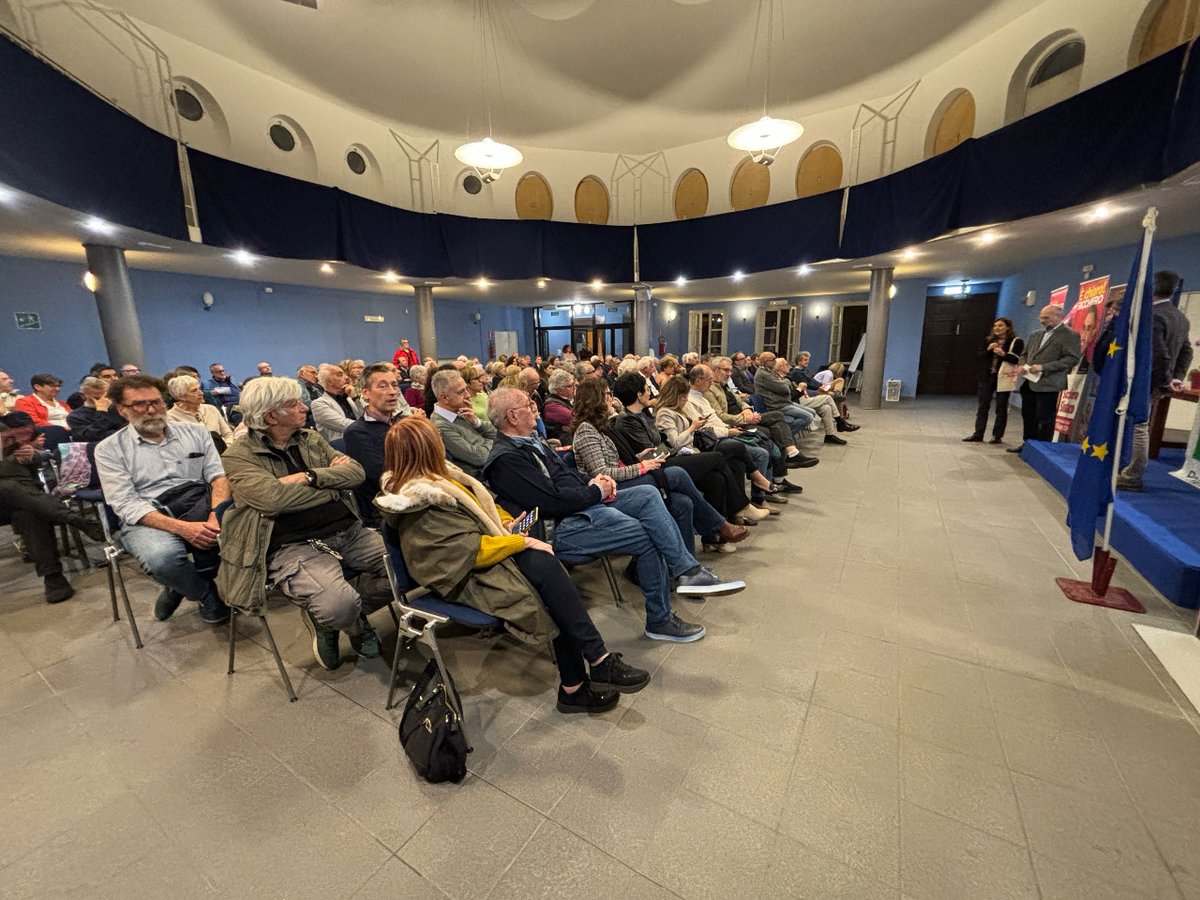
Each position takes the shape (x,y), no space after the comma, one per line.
(293,526)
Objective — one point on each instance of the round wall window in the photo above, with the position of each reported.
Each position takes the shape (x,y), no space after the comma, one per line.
(188,105)
(356,162)
(472,184)
(282,137)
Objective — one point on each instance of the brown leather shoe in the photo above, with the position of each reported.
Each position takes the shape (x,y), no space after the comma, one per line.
(731,533)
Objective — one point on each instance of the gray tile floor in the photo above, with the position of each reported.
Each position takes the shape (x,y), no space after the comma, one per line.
(900,705)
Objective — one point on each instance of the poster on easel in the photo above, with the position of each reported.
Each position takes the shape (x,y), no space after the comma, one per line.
(1058,296)
(1086,317)
(1190,471)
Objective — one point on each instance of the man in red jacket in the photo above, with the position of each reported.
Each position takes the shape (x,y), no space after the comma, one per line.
(405,356)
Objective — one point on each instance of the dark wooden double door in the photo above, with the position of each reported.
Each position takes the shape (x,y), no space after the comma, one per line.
(951,341)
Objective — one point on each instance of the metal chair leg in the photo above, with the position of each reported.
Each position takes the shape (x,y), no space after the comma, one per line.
(137,638)
(233,614)
(395,665)
(112,589)
(287,682)
(606,563)
(451,692)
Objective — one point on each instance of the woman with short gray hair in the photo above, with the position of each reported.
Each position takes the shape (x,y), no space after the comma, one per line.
(190,407)
(558,409)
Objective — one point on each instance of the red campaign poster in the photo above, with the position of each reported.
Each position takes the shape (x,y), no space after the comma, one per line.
(1058,296)
(1087,315)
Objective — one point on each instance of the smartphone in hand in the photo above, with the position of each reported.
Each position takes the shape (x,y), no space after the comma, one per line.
(525,523)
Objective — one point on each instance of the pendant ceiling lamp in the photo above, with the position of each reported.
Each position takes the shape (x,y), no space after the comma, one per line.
(489,158)
(765,138)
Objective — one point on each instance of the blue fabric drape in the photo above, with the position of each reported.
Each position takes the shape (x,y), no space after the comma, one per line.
(61,142)
(751,240)
(1105,140)
(274,215)
(1183,140)
(381,237)
(907,207)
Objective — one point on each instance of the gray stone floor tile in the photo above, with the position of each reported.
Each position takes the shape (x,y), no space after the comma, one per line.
(748,776)
(799,871)
(395,879)
(942,859)
(875,700)
(941,720)
(1062,881)
(556,863)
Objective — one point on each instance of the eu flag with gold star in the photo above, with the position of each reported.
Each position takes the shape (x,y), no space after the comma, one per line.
(1091,488)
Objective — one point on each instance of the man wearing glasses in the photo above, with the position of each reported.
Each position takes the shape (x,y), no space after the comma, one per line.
(164,482)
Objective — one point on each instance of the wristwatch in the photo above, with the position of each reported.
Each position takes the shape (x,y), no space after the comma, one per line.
(312,478)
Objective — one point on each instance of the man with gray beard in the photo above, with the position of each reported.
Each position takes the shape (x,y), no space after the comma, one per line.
(164,482)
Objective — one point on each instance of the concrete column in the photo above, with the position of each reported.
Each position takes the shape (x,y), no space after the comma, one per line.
(875,355)
(642,313)
(426,331)
(114,299)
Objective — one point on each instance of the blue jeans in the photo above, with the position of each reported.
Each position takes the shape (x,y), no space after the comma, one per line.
(636,524)
(797,417)
(166,557)
(687,506)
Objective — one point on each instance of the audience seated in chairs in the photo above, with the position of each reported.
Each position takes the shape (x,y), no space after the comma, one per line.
(32,513)
(380,390)
(334,410)
(292,528)
(164,481)
(458,543)
(473,377)
(679,426)
(414,394)
(190,408)
(735,412)
(94,419)
(779,395)
(225,392)
(596,454)
(103,371)
(42,405)
(591,518)
(815,396)
(468,439)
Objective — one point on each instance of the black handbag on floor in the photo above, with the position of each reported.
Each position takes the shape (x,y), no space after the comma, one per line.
(431,731)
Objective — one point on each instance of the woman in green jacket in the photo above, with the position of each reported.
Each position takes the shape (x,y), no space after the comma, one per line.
(459,544)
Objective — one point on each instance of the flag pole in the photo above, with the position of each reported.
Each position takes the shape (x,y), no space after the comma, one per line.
(1149,224)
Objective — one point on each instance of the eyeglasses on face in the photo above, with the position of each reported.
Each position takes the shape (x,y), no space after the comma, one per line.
(144,405)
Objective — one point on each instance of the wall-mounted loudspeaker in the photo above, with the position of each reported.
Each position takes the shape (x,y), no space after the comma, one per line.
(472,184)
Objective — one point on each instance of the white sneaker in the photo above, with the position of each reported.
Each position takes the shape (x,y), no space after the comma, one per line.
(720,548)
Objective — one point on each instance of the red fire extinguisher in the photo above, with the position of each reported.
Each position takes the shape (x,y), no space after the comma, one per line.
(662,345)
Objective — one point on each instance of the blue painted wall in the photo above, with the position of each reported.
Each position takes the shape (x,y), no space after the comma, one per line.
(287,326)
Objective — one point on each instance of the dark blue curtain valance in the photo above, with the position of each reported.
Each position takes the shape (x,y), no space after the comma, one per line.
(1183,140)
(907,207)
(1105,140)
(61,142)
(383,238)
(273,215)
(751,240)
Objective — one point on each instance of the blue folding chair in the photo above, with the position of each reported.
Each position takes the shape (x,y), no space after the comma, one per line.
(425,609)
(758,404)
(338,444)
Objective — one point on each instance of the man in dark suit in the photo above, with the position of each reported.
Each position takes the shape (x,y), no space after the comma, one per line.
(1172,356)
(1051,353)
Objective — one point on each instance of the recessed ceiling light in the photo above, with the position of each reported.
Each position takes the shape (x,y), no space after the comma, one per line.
(8,197)
(390,277)
(326,268)
(909,254)
(1101,212)
(988,237)
(242,257)
(483,283)
(804,269)
(541,283)
(96,225)
(680,281)
(597,284)
(738,275)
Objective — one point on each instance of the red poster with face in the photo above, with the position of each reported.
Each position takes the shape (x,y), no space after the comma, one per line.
(1087,315)
(1058,296)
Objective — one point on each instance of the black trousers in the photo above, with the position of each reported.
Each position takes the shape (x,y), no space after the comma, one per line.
(1038,409)
(577,638)
(715,480)
(986,390)
(33,515)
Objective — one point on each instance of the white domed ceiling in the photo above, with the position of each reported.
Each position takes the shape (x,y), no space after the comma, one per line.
(604,75)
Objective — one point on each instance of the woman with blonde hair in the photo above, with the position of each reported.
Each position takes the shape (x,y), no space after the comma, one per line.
(458,543)
(667,367)
(475,384)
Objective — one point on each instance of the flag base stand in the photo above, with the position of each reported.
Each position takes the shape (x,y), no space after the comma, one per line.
(1098,591)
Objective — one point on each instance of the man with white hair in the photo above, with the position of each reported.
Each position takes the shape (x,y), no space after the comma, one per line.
(468,439)
(293,527)
(164,481)
(777,394)
(648,367)
(333,411)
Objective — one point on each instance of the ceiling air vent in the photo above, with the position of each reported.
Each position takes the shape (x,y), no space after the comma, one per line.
(311,4)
